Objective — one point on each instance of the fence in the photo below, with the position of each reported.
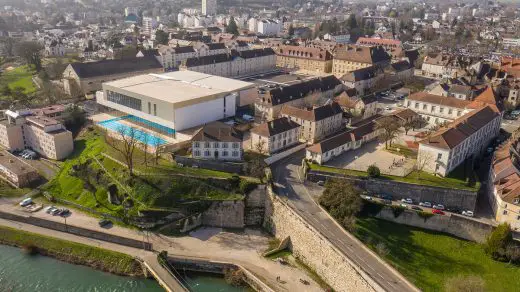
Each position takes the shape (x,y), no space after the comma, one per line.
(232,167)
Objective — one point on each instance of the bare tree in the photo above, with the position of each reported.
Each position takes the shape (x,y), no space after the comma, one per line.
(408,125)
(259,146)
(389,129)
(125,143)
(313,99)
(144,143)
(158,149)
(423,160)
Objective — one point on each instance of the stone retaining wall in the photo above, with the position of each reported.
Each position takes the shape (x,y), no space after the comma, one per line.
(459,226)
(459,198)
(312,248)
(226,214)
(77,230)
(232,167)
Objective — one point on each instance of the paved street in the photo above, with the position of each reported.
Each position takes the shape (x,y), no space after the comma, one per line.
(289,184)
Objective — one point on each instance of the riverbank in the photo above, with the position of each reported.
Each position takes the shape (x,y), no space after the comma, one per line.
(72,252)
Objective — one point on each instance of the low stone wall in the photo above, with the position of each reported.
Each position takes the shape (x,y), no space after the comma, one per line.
(181,264)
(232,167)
(463,199)
(316,251)
(226,214)
(77,230)
(456,225)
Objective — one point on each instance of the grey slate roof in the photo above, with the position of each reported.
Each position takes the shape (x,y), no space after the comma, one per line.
(112,67)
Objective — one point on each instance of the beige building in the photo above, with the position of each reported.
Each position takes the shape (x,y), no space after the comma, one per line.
(305,59)
(504,184)
(351,57)
(217,141)
(305,93)
(274,136)
(234,64)
(15,171)
(316,123)
(44,135)
(88,77)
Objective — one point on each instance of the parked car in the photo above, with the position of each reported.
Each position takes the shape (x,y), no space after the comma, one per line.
(387,197)
(407,201)
(404,205)
(104,222)
(321,183)
(439,207)
(454,210)
(49,209)
(64,212)
(437,211)
(425,204)
(467,213)
(26,202)
(55,212)
(368,198)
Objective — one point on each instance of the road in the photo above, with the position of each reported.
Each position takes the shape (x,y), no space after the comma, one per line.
(213,244)
(300,196)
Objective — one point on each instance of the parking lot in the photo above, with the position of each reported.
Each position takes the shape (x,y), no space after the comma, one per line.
(278,78)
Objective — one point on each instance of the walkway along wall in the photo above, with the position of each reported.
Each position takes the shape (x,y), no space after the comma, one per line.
(312,248)
(77,230)
(463,199)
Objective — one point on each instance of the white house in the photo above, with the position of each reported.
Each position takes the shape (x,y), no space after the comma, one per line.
(274,136)
(217,141)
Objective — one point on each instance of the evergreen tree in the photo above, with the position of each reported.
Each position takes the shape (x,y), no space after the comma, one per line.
(352,22)
(232,27)
(291,30)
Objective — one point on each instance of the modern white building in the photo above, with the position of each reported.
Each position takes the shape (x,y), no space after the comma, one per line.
(174,101)
(269,26)
(148,23)
(209,7)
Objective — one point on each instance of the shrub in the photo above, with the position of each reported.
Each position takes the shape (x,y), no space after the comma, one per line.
(373,171)
(424,215)
(497,242)
(342,200)
(371,208)
(235,277)
(397,210)
(246,186)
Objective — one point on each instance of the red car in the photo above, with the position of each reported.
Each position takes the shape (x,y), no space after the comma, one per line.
(437,211)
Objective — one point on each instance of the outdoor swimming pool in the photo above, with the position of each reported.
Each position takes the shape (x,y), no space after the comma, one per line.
(141,136)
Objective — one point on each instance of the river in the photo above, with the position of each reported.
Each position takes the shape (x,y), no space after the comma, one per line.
(20,272)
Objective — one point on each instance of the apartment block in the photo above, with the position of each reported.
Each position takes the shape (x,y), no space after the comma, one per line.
(309,60)
(44,135)
(316,123)
(436,109)
(352,57)
(274,136)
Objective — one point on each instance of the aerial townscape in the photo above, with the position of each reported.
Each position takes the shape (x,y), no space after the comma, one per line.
(259,145)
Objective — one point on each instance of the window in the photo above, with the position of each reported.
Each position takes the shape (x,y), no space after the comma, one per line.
(124,100)
(505,212)
(432,109)
(225,154)
(235,145)
(459,113)
(197,152)
(516,200)
(441,110)
(196,145)
(424,107)
(149,108)
(439,156)
(450,111)
(215,145)
(235,154)
(206,145)
(224,145)
(154,109)
(207,153)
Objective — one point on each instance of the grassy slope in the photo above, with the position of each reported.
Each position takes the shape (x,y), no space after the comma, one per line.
(429,258)
(91,144)
(111,261)
(414,178)
(8,191)
(20,76)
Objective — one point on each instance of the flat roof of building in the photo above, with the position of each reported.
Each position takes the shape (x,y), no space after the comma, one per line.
(13,164)
(179,86)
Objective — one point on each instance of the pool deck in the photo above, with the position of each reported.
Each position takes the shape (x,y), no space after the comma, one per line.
(107,116)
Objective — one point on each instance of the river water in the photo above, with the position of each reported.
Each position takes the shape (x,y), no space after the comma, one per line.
(20,272)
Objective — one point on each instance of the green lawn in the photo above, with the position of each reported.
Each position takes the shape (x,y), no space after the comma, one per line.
(20,76)
(113,261)
(403,151)
(8,191)
(159,189)
(429,259)
(415,177)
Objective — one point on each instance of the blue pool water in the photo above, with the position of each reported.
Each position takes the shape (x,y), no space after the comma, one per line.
(141,136)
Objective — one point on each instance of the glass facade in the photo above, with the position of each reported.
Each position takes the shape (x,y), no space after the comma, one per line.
(124,100)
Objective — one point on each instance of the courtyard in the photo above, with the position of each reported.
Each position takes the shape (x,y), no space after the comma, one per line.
(390,162)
